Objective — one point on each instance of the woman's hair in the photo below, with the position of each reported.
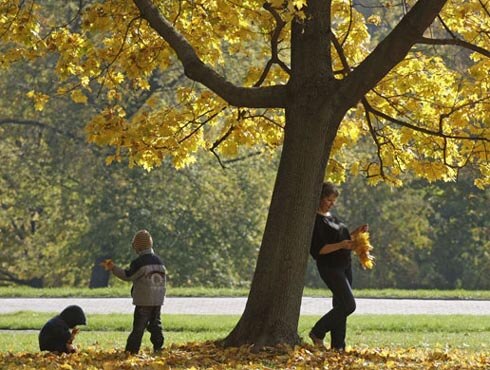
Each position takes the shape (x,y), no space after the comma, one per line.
(328,189)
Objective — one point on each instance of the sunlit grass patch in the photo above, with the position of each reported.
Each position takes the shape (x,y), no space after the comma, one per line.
(108,332)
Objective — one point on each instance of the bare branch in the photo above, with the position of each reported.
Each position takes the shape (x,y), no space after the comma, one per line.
(264,73)
(374,136)
(341,54)
(218,142)
(484,7)
(195,69)
(218,158)
(440,133)
(201,124)
(222,138)
(351,19)
(455,41)
(243,157)
(274,46)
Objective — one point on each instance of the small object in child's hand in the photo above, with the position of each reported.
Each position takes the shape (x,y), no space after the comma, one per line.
(107,264)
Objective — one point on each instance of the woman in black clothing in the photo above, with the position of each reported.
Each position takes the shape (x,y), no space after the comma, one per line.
(331,247)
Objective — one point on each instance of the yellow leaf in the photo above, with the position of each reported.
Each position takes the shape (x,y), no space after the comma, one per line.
(299,4)
(374,19)
(39,99)
(78,97)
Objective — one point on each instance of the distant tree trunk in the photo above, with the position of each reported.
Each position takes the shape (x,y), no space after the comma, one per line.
(99,277)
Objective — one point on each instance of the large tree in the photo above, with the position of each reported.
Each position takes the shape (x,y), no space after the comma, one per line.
(303,74)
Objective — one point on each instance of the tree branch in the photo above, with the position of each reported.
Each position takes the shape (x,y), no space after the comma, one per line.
(218,142)
(274,43)
(201,124)
(392,50)
(484,7)
(341,54)
(439,133)
(195,69)
(455,41)
(375,137)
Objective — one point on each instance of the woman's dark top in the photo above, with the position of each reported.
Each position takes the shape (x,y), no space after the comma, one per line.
(329,230)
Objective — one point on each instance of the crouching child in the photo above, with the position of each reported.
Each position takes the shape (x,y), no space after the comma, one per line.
(58,333)
(148,274)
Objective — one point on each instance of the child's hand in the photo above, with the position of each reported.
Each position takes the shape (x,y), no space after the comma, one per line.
(107,264)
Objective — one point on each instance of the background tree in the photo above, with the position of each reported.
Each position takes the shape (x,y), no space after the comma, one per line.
(312,65)
(63,209)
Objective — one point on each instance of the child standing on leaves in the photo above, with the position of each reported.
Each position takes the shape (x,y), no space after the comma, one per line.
(148,274)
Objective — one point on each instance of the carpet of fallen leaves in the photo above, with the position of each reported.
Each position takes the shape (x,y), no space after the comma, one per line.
(209,355)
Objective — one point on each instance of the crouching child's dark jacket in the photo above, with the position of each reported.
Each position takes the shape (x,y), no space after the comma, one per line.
(55,334)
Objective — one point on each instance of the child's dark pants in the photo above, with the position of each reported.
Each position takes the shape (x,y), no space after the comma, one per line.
(146,317)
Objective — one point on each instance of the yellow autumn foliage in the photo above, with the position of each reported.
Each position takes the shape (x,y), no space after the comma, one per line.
(363,249)
(209,355)
(116,51)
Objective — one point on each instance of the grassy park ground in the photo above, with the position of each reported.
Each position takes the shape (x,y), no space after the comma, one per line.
(472,333)
(122,290)
(375,341)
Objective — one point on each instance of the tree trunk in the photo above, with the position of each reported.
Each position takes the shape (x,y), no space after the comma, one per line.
(272,311)
(273,306)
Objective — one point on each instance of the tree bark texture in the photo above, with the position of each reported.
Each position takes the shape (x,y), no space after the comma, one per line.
(272,311)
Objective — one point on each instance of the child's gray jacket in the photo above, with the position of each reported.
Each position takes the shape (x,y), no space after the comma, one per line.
(148,274)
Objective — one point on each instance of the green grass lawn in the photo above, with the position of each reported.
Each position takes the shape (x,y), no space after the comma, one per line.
(123,291)
(18,331)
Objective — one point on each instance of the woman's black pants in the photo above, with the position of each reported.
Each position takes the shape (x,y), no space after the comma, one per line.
(339,281)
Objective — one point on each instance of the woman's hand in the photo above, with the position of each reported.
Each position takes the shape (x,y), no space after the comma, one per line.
(344,244)
(361,229)
(347,244)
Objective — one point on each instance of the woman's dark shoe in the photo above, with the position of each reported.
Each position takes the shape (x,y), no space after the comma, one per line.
(316,341)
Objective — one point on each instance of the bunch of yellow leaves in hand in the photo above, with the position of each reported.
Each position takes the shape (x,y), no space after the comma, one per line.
(363,247)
